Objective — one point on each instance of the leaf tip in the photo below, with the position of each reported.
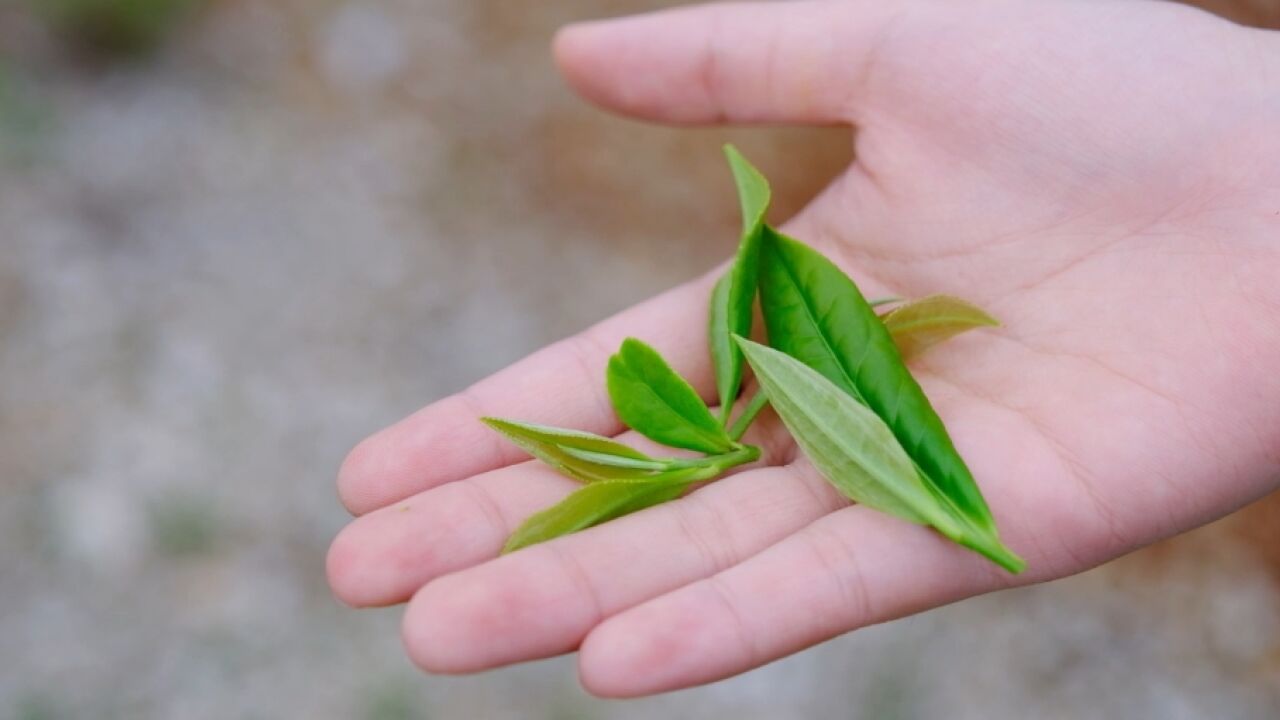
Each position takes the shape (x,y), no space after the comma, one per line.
(632,345)
(984,318)
(498,425)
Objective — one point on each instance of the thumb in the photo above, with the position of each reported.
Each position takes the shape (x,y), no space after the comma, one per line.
(798,62)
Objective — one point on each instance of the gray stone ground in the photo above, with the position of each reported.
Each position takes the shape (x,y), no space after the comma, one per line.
(222,267)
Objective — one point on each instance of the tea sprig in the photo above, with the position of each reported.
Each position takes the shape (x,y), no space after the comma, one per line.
(833,369)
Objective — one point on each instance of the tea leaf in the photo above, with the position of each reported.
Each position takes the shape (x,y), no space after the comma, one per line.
(816,314)
(735,292)
(726,359)
(581,456)
(921,324)
(850,445)
(600,502)
(656,402)
(857,452)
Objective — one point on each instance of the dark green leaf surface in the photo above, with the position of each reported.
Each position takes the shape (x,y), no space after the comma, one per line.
(735,293)
(656,402)
(816,314)
(600,502)
(921,324)
(581,456)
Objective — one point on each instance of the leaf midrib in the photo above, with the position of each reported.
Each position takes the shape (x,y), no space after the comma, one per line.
(811,315)
(834,439)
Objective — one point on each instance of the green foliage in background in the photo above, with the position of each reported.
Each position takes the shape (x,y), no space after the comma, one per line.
(182,527)
(115,27)
(24,120)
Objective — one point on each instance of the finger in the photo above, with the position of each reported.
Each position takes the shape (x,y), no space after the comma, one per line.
(562,385)
(793,62)
(385,556)
(543,601)
(852,568)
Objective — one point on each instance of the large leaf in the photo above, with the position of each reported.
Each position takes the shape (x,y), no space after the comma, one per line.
(850,445)
(656,402)
(735,292)
(580,455)
(857,452)
(816,314)
(921,324)
(600,502)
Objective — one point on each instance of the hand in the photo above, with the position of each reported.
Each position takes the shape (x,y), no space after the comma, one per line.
(1104,177)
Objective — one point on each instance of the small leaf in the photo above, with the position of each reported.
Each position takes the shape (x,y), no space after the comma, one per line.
(754,194)
(581,456)
(816,314)
(857,452)
(735,292)
(656,402)
(921,324)
(726,359)
(600,502)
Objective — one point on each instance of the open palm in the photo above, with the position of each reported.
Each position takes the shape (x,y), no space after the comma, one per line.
(1105,178)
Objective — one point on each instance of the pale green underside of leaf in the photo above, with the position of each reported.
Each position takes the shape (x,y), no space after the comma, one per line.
(921,324)
(816,314)
(579,455)
(656,402)
(859,455)
(734,294)
(850,445)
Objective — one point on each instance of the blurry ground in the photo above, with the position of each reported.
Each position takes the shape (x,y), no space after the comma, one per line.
(221,267)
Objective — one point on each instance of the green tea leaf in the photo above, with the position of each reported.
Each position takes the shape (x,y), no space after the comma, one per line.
(726,359)
(921,324)
(580,455)
(850,445)
(656,402)
(600,502)
(816,314)
(735,292)
(857,452)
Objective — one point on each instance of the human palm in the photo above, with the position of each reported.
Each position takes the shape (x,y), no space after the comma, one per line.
(1102,177)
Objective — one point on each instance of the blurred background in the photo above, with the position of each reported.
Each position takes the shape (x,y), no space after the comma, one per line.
(236,236)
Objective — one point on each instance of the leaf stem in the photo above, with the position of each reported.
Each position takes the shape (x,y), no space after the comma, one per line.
(884,301)
(756,404)
(740,455)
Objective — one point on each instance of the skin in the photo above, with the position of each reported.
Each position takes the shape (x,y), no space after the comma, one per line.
(1103,177)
